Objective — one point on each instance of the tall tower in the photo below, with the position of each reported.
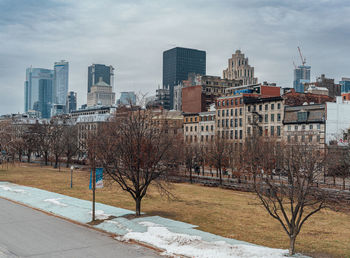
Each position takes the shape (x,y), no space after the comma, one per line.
(178,63)
(38,89)
(97,71)
(239,69)
(61,82)
(71,103)
(301,77)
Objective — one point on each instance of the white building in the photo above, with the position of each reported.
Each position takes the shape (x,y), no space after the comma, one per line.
(101,95)
(337,120)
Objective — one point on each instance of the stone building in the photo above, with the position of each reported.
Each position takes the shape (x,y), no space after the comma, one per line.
(239,69)
(305,123)
(101,94)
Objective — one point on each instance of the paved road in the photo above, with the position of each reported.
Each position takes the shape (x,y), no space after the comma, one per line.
(25,232)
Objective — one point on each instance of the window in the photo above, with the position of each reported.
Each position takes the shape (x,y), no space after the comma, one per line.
(303,138)
(236,134)
(266,107)
(191,128)
(226,122)
(311,127)
(302,116)
(202,137)
(222,112)
(231,134)
(236,101)
(254,108)
(289,127)
(278,131)
(278,117)
(310,138)
(231,123)
(240,122)
(186,128)
(231,102)
(278,105)
(206,138)
(218,122)
(240,101)
(303,127)
(296,138)
(272,130)
(260,107)
(318,126)
(288,138)
(231,112)
(218,112)
(206,128)
(318,138)
(248,130)
(266,118)
(223,103)
(222,122)
(227,112)
(240,111)
(272,117)
(202,128)
(240,134)
(272,106)
(236,112)
(212,128)
(195,128)
(296,128)
(249,119)
(248,108)
(236,122)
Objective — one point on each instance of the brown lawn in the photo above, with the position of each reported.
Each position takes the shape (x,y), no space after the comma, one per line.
(224,212)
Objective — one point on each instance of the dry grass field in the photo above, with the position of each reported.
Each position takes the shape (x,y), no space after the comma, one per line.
(224,212)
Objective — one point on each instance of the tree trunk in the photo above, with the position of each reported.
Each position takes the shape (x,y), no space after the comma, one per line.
(46,158)
(343,183)
(220,173)
(138,206)
(28,157)
(191,175)
(291,245)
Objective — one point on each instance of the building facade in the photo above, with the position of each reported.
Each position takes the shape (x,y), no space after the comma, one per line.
(127,98)
(301,77)
(101,95)
(61,72)
(305,123)
(38,89)
(71,103)
(239,69)
(97,71)
(178,63)
(345,85)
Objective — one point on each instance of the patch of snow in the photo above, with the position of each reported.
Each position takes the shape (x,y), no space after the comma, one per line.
(100,215)
(193,246)
(56,202)
(6,188)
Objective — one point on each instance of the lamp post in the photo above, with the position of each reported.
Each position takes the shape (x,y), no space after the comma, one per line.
(71,176)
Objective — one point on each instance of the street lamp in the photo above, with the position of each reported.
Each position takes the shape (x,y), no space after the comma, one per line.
(71,176)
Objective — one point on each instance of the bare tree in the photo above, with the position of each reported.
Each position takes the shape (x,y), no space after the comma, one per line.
(219,154)
(293,197)
(135,152)
(338,162)
(70,142)
(43,139)
(56,139)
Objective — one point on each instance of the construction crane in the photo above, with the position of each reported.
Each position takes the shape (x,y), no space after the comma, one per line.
(303,59)
(294,65)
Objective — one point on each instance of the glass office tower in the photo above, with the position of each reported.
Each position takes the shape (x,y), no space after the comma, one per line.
(301,76)
(178,63)
(95,71)
(61,70)
(39,90)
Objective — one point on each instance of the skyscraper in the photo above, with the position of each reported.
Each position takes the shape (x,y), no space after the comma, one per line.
(239,69)
(178,63)
(61,82)
(39,90)
(301,77)
(97,71)
(71,103)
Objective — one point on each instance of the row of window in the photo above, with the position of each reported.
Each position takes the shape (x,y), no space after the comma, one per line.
(304,127)
(303,138)
(227,102)
(227,112)
(199,119)
(266,107)
(233,122)
(266,118)
(194,128)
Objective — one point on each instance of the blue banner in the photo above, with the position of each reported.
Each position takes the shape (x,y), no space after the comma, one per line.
(99,178)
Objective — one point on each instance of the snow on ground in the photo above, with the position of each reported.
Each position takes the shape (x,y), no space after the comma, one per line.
(100,215)
(6,188)
(56,202)
(194,246)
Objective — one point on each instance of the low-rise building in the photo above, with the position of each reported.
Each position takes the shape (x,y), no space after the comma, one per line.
(305,123)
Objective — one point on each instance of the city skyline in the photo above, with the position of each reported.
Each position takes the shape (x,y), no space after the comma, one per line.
(132,37)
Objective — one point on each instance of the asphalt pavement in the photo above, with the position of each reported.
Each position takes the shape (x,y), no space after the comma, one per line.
(25,232)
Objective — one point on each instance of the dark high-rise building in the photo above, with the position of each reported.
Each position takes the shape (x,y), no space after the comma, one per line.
(97,71)
(45,98)
(178,63)
(71,104)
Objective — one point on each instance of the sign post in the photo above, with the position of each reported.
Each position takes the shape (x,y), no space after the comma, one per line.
(96,181)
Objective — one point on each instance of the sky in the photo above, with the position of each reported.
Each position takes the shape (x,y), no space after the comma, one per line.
(132,35)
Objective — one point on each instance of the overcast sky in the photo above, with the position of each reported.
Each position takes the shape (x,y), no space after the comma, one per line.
(131,36)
